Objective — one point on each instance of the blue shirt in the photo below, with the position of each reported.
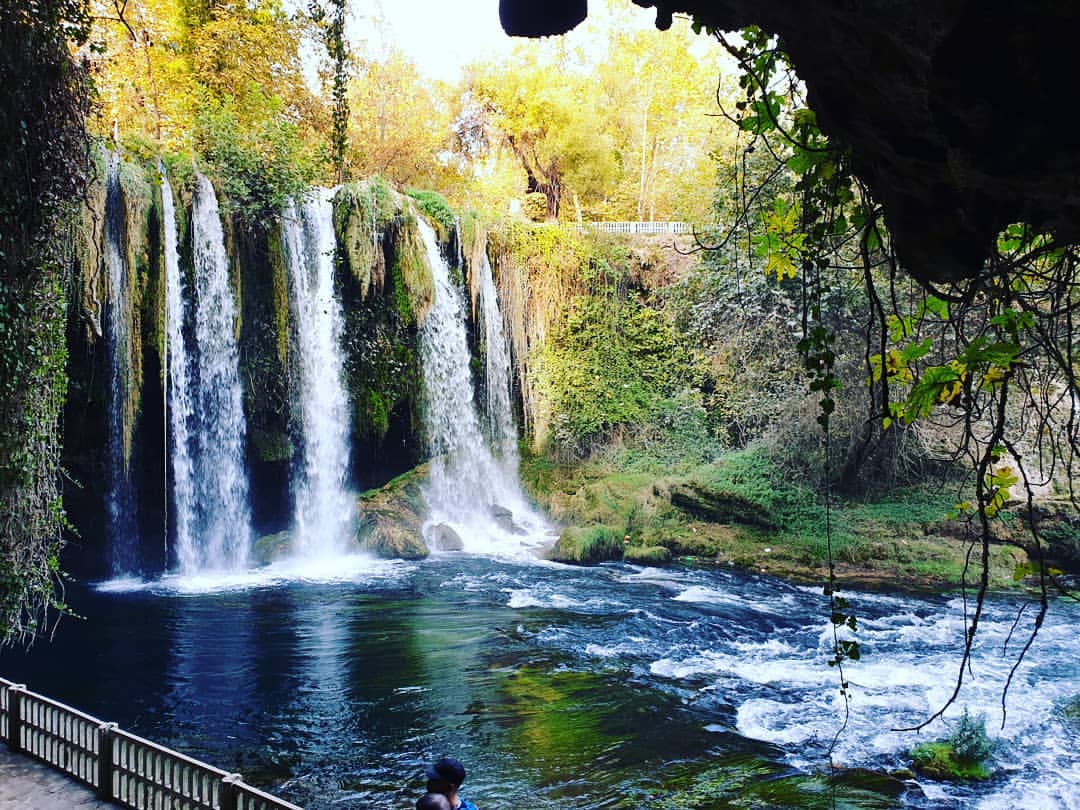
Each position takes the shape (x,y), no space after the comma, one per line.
(466,805)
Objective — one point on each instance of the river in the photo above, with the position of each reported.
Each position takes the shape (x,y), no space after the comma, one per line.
(557,686)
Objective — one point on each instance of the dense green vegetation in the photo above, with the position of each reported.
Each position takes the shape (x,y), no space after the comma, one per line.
(963,755)
(42,173)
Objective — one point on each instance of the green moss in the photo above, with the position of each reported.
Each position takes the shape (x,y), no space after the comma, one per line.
(646,555)
(390,518)
(737,511)
(588,545)
(279,275)
(437,209)
(378,415)
(414,284)
(354,227)
(937,760)
(747,781)
(387,201)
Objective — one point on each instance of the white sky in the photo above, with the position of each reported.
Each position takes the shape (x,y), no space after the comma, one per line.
(439,35)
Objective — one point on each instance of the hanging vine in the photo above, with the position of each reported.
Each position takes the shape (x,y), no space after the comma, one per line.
(984,368)
(332,22)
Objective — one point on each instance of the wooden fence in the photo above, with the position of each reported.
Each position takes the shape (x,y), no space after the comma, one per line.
(117,765)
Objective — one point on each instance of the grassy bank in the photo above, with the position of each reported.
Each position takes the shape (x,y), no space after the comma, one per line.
(740,511)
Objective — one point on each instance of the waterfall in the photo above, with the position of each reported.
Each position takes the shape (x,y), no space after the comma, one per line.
(181,412)
(502,430)
(469,492)
(210,488)
(120,499)
(324,512)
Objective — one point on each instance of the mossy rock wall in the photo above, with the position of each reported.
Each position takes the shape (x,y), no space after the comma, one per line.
(86,431)
(537,270)
(258,266)
(386,290)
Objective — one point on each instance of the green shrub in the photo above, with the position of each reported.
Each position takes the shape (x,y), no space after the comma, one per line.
(435,206)
(963,755)
(256,151)
(613,364)
(969,741)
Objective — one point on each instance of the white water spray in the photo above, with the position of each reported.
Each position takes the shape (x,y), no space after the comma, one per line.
(178,402)
(210,481)
(120,498)
(324,512)
(469,491)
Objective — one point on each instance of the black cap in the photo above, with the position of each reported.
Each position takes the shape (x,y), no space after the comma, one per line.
(446,769)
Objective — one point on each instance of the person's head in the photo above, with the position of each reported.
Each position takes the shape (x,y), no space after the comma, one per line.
(433,801)
(445,776)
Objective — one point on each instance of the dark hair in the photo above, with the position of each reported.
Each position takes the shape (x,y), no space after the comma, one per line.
(433,801)
(448,770)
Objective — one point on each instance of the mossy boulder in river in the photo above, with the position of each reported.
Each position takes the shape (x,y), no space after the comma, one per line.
(1071,712)
(391,518)
(962,756)
(593,544)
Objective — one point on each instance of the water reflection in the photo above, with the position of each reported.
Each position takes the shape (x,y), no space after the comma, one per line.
(557,686)
(214,679)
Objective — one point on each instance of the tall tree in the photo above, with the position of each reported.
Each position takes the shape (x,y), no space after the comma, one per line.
(399,124)
(660,97)
(543,109)
(332,21)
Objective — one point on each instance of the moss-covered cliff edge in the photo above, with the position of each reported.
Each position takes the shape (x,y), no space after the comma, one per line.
(385,290)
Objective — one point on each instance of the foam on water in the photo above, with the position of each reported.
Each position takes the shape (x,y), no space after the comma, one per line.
(344,568)
(543,597)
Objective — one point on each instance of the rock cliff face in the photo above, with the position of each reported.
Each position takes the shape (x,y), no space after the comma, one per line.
(954,110)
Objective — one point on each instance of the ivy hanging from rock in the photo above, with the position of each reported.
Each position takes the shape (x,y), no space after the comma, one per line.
(980,374)
(42,174)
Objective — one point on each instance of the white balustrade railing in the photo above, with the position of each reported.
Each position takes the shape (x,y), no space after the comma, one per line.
(119,766)
(633,227)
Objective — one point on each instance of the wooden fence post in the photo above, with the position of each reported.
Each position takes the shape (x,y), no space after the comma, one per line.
(105,770)
(15,693)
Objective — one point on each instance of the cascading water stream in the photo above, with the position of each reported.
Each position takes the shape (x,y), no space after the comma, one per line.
(178,402)
(120,499)
(206,397)
(502,430)
(324,512)
(469,491)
